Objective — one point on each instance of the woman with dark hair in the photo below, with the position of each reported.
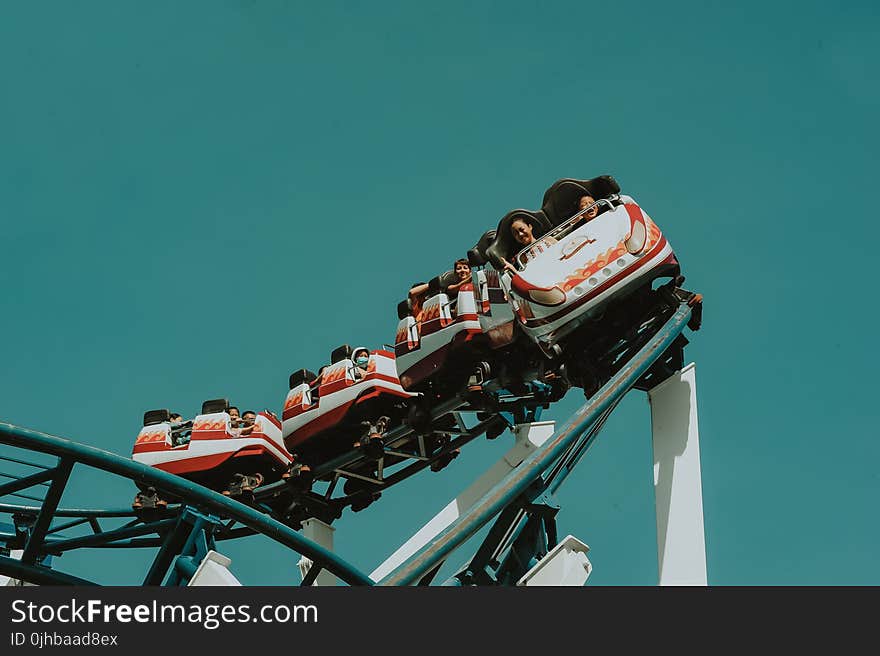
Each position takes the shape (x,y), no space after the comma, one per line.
(523,234)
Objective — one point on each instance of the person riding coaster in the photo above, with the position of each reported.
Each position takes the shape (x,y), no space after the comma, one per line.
(578,257)
(219,453)
(541,274)
(354,401)
(460,341)
(427,340)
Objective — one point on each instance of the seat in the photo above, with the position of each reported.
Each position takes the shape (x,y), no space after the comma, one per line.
(153,417)
(212,406)
(404,309)
(504,246)
(561,199)
(476,256)
(440,284)
(301,376)
(340,353)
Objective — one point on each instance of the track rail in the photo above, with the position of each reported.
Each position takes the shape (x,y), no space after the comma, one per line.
(70,454)
(427,559)
(182,532)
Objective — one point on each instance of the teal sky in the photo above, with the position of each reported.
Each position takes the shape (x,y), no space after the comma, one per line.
(198,198)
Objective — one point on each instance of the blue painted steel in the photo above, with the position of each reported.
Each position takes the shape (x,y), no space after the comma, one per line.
(567,464)
(106,538)
(25,462)
(38,574)
(20,483)
(197,545)
(195,494)
(47,511)
(517,481)
(515,532)
(12,509)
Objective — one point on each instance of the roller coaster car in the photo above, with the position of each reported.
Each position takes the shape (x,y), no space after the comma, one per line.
(212,451)
(325,416)
(460,341)
(443,332)
(564,282)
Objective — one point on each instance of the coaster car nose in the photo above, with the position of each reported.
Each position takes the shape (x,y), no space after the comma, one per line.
(548,296)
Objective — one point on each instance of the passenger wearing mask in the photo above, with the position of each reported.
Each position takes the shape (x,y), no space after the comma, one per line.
(361,358)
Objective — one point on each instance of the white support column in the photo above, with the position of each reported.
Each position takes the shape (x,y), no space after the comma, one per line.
(213,570)
(678,488)
(322,533)
(565,564)
(528,438)
(8,581)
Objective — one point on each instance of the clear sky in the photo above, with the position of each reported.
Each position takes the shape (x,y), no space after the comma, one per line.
(198,198)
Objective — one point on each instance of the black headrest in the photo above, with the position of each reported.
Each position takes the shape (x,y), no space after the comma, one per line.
(484,241)
(403,309)
(211,406)
(477,255)
(433,286)
(447,278)
(504,245)
(301,376)
(153,417)
(341,353)
(560,201)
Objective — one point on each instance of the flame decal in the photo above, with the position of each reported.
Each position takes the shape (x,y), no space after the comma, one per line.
(144,438)
(209,425)
(294,399)
(592,267)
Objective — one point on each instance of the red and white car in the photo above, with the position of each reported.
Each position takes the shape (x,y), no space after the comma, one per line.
(454,332)
(444,329)
(558,285)
(323,415)
(568,280)
(216,450)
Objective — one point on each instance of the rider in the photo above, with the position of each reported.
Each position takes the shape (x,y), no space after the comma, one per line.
(522,231)
(361,358)
(463,274)
(180,429)
(417,296)
(586,201)
(249,418)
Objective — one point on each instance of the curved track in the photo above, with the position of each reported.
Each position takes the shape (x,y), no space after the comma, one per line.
(183,533)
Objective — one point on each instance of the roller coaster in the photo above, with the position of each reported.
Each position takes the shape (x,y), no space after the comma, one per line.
(480,354)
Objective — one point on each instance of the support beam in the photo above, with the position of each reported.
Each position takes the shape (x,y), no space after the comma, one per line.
(13,572)
(27,481)
(60,474)
(322,533)
(528,437)
(678,489)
